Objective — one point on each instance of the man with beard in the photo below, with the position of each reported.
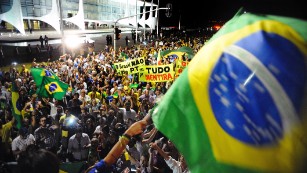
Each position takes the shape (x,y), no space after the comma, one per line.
(44,136)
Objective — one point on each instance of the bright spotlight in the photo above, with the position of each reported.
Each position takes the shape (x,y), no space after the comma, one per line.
(72,42)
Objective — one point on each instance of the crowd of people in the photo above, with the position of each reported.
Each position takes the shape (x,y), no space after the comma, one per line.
(96,113)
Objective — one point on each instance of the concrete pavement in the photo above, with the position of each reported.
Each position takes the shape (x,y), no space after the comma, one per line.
(14,45)
(13,37)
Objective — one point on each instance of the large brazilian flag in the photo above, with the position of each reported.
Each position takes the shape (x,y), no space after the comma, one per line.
(246,110)
(52,88)
(39,73)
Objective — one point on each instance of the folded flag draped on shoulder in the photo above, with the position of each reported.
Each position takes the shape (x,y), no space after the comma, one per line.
(39,73)
(16,105)
(246,111)
(52,88)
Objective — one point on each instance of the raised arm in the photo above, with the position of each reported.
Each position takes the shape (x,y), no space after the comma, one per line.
(135,129)
(160,151)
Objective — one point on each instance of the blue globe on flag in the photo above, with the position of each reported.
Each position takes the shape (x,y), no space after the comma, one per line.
(249,89)
(52,87)
(48,73)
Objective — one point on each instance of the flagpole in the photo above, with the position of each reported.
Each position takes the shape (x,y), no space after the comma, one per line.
(144,20)
(150,17)
(179,20)
(136,18)
(158,20)
(62,26)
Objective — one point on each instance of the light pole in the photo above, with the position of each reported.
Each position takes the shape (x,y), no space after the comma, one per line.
(136,20)
(62,26)
(158,20)
(126,18)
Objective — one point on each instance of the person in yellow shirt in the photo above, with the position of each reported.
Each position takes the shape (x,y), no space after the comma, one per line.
(6,140)
(94,93)
(24,70)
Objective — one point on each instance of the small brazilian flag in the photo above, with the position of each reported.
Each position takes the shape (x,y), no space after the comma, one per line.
(52,88)
(123,56)
(244,106)
(174,54)
(133,85)
(39,73)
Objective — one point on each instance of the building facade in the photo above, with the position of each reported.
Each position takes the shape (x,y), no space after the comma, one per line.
(82,14)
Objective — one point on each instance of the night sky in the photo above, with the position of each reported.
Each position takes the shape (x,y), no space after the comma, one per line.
(198,13)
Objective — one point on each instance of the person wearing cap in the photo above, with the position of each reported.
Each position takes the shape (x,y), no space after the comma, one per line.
(22,141)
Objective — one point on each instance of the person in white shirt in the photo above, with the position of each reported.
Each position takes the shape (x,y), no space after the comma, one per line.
(86,99)
(53,107)
(78,146)
(22,141)
(84,84)
(128,113)
(5,93)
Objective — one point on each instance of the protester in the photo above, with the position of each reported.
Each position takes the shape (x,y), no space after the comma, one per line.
(45,136)
(2,58)
(118,148)
(46,39)
(101,101)
(78,146)
(127,40)
(21,142)
(6,127)
(41,39)
(177,166)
